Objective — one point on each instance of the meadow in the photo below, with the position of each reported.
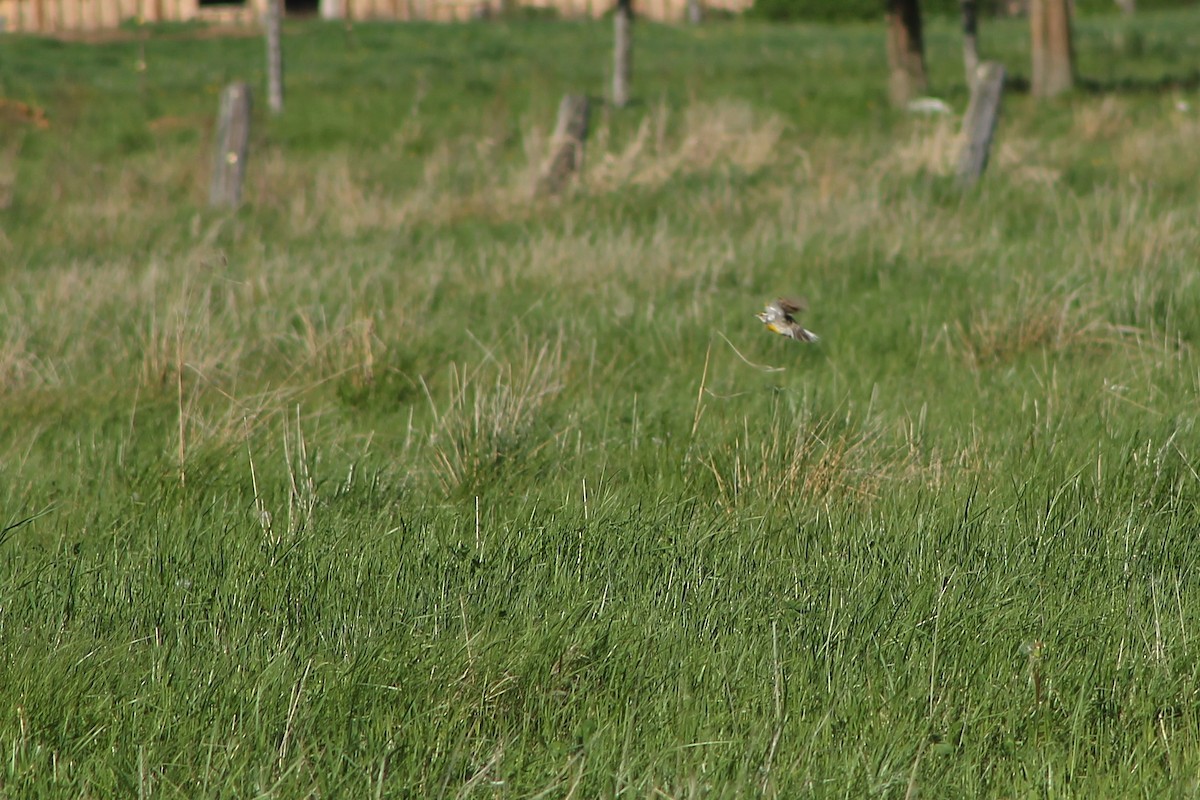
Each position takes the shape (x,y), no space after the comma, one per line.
(399,482)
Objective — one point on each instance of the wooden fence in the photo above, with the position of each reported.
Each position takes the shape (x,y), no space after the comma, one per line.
(51,16)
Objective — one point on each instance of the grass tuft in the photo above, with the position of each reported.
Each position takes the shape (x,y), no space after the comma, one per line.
(490,422)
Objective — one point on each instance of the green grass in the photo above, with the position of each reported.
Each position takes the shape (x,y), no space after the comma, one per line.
(401,483)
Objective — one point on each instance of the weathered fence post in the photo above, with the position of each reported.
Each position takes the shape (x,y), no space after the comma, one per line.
(233,136)
(622,52)
(273,24)
(566,147)
(979,123)
(695,12)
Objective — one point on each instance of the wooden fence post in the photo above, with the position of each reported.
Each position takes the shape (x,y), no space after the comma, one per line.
(273,24)
(622,52)
(566,153)
(233,136)
(979,123)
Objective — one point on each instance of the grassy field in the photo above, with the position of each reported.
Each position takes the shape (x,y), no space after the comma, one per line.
(399,483)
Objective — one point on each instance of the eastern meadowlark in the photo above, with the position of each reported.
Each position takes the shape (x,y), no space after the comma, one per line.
(780,316)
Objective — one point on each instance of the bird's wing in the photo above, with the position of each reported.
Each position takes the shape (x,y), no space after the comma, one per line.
(792,305)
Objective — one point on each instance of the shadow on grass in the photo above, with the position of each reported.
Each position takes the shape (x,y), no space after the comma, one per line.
(1020,84)
(1166,83)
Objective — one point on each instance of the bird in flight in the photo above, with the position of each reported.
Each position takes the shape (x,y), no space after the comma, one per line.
(780,316)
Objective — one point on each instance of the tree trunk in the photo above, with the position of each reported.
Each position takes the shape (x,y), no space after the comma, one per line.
(970,23)
(1050,32)
(1127,6)
(695,14)
(622,52)
(906,52)
(273,23)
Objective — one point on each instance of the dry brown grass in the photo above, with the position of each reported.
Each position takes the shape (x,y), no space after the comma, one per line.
(806,459)
(461,178)
(20,366)
(1035,321)
(491,414)
(1103,120)
(931,146)
(1125,237)
(721,135)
